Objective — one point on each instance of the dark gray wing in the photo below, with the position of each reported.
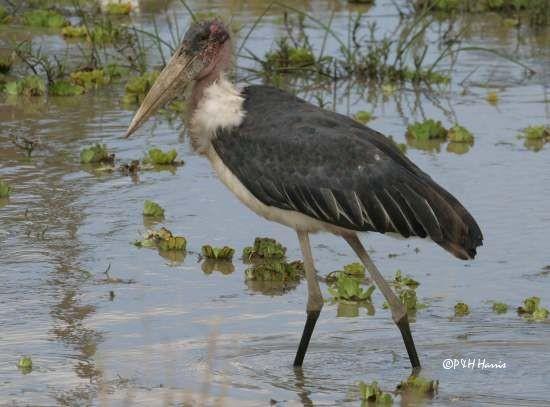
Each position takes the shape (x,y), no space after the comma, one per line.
(296,156)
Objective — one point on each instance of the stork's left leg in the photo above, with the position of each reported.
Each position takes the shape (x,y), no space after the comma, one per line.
(314,298)
(399,313)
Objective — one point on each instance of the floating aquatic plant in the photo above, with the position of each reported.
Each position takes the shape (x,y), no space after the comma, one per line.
(90,79)
(459,134)
(5,189)
(419,384)
(287,58)
(541,132)
(25,364)
(153,209)
(96,154)
(158,157)
(461,309)
(363,116)
(532,310)
(74,31)
(218,253)
(31,85)
(265,248)
(349,289)
(65,88)
(492,97)
(403,280)
(138,86)
(120,8)
(44,18)
(500,307)
(163,239)
(372,394)
(427,130)
(272,270)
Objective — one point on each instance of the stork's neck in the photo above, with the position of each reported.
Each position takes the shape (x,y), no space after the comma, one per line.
(216,104)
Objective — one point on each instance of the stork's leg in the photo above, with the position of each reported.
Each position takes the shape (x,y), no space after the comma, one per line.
(398,310)
(314,298)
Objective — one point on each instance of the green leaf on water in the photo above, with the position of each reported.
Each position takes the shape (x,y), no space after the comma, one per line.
(461,309)
(427,130)
(363,116)
(163,239)
(500,307)
(95,154)
(459,134)
(218,253)
(355,270)
(65,88)
(44,18)
(153,209)
(347,288)
(541,132)
(419,385)
(401,280)
(158,157)
(25,364)
(372,394)
(532,310)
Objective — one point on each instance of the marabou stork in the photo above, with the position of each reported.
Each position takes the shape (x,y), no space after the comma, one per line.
(305,167)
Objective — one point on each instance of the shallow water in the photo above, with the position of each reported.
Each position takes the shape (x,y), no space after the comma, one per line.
(178,335)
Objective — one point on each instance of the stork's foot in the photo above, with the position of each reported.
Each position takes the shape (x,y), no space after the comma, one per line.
(404,327)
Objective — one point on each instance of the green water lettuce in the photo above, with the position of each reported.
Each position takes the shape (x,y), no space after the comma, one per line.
(153,209)
(264,248)
(218,253)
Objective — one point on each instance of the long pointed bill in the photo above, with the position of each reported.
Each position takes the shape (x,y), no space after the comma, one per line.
(169,84)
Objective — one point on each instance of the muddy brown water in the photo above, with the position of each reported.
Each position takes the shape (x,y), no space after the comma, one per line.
(178,335)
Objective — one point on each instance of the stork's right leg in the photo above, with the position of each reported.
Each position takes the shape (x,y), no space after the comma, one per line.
(314,298)
(399,313)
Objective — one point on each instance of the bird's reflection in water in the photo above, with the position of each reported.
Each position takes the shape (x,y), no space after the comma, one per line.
(301,391)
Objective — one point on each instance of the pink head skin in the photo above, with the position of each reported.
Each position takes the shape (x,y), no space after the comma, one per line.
(204,54)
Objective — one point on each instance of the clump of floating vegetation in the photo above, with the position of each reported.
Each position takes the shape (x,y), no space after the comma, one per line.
(31,85)
(217,253)
(541,132)
(500,307)
(65,88)
(5,189)
(153,209)
(427,130)
(264,248)
(419,385)
(287,58)
(275,271)
(120,8)
(74,31)
(401,280)
(138,86)
(461,309)
(96,154)
(347,288)
(25,364)
(459,134)
(156,156)
(162,239)
(372,394)
(492,98)
(532,310)
(44,18)
(363,116)
(90,79)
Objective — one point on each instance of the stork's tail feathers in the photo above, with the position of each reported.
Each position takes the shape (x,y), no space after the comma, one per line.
(454,228)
